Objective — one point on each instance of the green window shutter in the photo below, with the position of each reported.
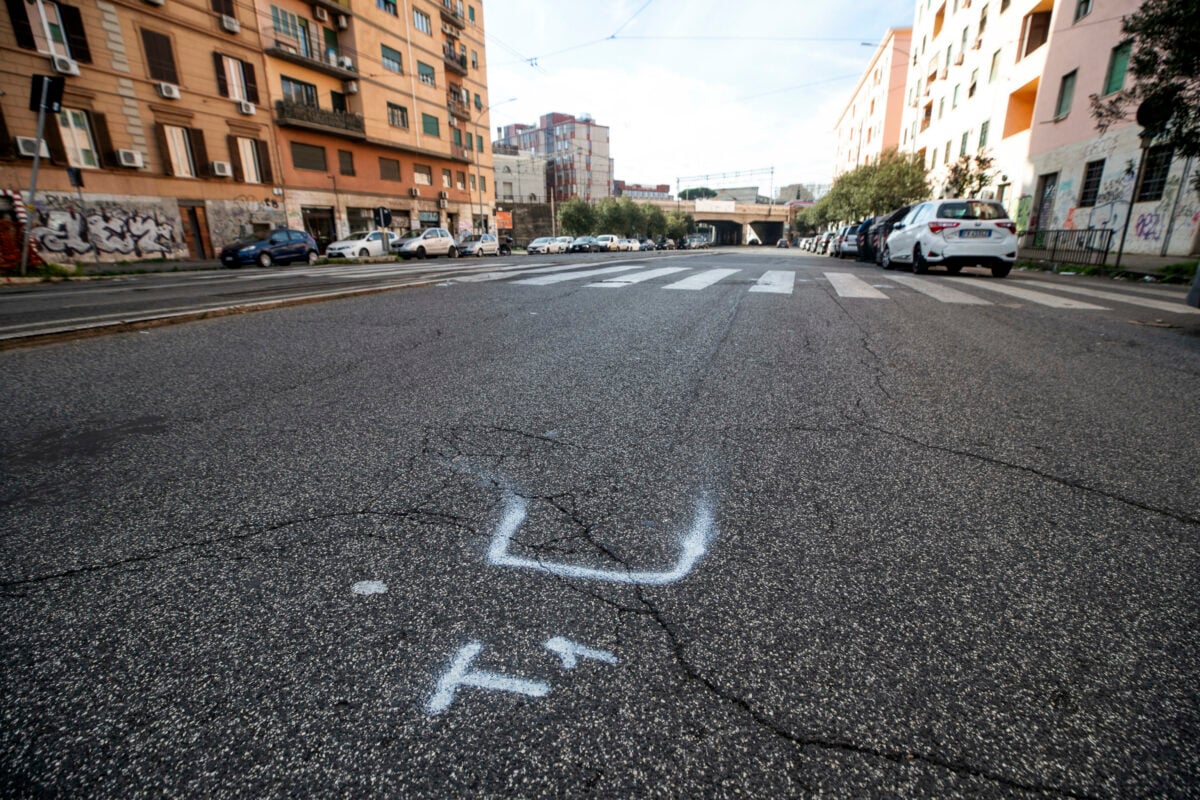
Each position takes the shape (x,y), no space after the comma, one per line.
(1118,63)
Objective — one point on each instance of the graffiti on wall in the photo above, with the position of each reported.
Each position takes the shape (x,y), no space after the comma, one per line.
(104,227)
(1024,209)
(242,217)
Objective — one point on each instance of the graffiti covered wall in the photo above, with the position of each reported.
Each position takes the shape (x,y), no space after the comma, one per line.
(241,218)
(117,228)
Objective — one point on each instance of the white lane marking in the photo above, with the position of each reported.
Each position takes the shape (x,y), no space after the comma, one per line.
(495,276)
(776,281)
(847,285)
(702,280)
(693,545)
(1116,297)
(459,674)
(369,587)
(549,279)
(1041,298)
(637,277)
(938,291)
(570,652)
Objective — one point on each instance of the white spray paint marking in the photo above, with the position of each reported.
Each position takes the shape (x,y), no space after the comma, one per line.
(460,674)
(570,652)
(847,285)
(637,277)
(369,587)
(939,291)
(703,280)
(1041,298)
(693,545)
(546,280)
(776,281)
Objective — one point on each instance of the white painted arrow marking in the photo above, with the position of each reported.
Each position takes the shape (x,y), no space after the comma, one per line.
(570,652)
(693,545)
(460,674)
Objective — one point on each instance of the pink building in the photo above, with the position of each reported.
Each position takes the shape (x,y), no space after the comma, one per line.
(870,122)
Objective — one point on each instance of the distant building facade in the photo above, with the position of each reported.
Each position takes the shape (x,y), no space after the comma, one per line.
(576,152)
(638,191)
(520,175)
(870,122)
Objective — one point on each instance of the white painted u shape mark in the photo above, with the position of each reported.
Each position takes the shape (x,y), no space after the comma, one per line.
(693,545)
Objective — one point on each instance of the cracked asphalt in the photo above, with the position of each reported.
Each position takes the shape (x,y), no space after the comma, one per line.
(955,548)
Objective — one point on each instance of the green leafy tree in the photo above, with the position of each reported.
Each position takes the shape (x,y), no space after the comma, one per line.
(894,180)
(608,217)
(631,216)
(970,175)
(679,225)
(1165,66)
(699,193)
(654,220)
(575,217)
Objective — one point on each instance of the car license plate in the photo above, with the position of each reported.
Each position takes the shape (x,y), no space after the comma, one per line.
(974,234)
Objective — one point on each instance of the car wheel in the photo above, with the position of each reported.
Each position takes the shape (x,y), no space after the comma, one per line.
(920,265)
(1001,270)
(421,253)
(313,257)
(363,253)
(479,253)
(264,259)
(452,253)
(885,260)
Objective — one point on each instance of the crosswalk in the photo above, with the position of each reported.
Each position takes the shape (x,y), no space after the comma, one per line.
(966,291)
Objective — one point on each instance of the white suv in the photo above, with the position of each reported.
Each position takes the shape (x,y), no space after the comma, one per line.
(427,243)
(954,234)
(608,242)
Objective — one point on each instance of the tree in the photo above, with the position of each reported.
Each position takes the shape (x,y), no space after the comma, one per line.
(575,217)
(1165,64)
(970,175)
(894,180)
(699,193)
(679,225)
(655,220)
(632,219)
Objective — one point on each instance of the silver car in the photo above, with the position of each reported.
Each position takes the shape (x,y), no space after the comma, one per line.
(426,243)
(479,244)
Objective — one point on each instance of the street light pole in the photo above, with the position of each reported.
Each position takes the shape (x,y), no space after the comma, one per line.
(475,156)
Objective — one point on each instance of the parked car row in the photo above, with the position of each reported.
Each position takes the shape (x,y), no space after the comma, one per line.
(545,245)
(951,233)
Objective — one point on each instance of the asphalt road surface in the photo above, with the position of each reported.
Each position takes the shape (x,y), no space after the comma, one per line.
(796,527)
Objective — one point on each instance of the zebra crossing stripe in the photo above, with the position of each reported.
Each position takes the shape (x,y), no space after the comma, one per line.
(847,285)
(1177,307)
(510,273)
(637,277)
(776,281)
(702,280)
(546,280)
(939,291)
(1040,298)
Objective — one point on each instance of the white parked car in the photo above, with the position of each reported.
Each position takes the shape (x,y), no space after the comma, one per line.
(362,245)
(541,245)
(561,244)
(479,244)
(608,242)
(954,234)
(426,243)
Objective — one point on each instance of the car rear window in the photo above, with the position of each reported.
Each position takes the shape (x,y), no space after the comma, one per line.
(972,209)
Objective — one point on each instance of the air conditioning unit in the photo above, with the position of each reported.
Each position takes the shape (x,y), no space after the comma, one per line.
(222,169)
(443,204)
(350,87)
(414,192)
(247,108)
(453,122)
(343,22)
(64,66)
(320,14)
(443,195)
(168,90)
(346,62)
(130,158)
(27,146)
(958,60)
(230,24)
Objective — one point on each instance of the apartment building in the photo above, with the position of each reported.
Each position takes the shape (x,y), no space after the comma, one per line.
(520,175)
(196,124)
(576,150)
(640,191)
(1080,179)
(870,122)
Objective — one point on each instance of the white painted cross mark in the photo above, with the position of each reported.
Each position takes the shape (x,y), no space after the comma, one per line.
(637,277)
(703,280)
(1041,298)
(847,285)
(570,652)
(693,545)
(546,280)
(460,674)
(939,291)
(776,281)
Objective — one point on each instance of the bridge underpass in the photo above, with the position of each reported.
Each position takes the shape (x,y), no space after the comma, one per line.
(735,223)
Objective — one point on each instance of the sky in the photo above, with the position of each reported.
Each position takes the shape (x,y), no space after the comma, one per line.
(690,87)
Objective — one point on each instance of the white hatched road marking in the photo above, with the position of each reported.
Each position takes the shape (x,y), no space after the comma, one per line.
(496,276)
(702,280)
(1041,298)
(847,285)
(775,281)
(637,277)
(938,291)
(546,280)
(1116,297)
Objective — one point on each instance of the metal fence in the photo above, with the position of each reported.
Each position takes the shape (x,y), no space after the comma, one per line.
(1088,246)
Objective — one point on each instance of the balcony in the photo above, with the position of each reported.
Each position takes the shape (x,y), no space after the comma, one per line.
(459,152)
(452,15)
(457,107)
(331,62)
(454,62)
(339,123)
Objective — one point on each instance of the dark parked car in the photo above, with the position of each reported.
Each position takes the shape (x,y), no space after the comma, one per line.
(882,229)
(862,239)
(584,244)
(281,246)
(665,244)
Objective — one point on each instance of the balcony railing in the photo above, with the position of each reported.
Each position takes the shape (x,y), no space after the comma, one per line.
(454,61)
(453,15)
(457,107)
(299,115)
(460,152)
(330,62)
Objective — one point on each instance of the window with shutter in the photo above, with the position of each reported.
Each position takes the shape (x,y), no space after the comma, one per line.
(160,59)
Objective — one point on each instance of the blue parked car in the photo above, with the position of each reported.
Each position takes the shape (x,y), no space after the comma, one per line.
(280,246)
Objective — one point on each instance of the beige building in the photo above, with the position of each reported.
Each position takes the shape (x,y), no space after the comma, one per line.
(520,175)
(196,123)
(870,122)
